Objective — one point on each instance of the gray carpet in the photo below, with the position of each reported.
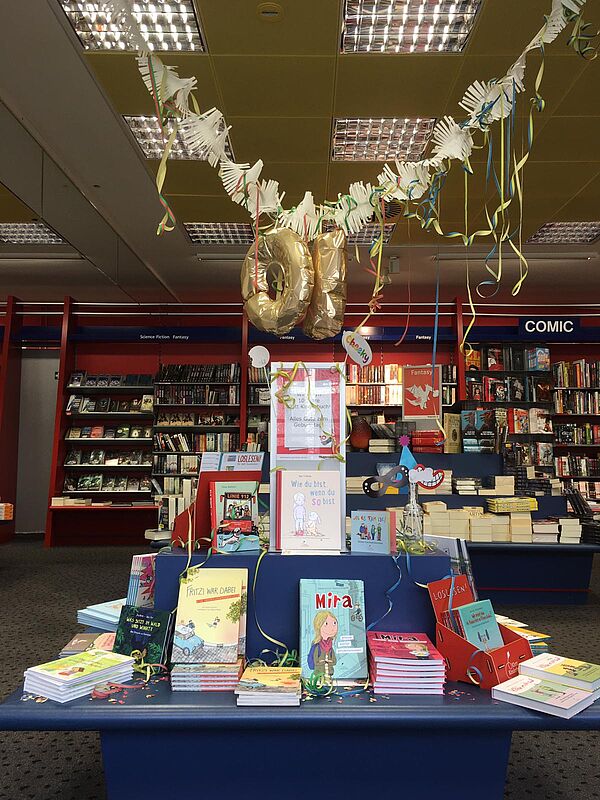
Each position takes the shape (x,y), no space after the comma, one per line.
(41,589)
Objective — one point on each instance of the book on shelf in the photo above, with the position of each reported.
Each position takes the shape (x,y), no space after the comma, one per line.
(269,686)
(232,501)
(211,616)
(548,696)
(308,511)
(199,373)
(333,644)
(473,361)
(579,374)
(373,532)
(573,401)
(144,633)
(140,591)
(537,359)
(493,358)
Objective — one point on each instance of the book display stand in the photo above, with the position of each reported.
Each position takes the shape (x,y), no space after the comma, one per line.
(464,661)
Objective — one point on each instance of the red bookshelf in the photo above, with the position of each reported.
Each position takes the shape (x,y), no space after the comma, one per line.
(10,390)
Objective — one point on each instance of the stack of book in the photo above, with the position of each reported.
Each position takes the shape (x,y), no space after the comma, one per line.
(570,530)
(104,616)
(481,528)
(354,484)
(269,686)
(506,505)
(427,441)
(206,677)
(141,581)
(520,526)
(436,520)
(498,485)
(382,446)
(404,663)
(539,642)
(544,531)
(87,641)
(75,676)
(466,485)
(500,528)
(460,526)
(6,511)
(552,684)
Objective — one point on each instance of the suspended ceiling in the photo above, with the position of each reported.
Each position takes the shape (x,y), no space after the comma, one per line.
(280,85)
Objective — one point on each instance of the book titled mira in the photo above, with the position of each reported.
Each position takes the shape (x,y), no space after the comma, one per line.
(333,644)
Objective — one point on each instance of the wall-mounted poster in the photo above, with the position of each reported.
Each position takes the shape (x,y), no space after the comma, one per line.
(421,392)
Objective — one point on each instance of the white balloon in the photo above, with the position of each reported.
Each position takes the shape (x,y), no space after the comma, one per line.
(259,356)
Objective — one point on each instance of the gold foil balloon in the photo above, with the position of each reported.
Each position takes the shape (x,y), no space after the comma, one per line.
(325,315)
(281,248)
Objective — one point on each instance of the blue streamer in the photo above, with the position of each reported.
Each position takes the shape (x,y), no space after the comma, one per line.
(388,594)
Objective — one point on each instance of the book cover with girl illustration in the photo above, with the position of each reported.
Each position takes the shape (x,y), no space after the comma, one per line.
(332,630)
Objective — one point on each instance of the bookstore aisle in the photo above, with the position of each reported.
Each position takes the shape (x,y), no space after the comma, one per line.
(48,765)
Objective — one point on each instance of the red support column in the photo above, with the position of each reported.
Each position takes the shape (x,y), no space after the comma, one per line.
(66,364)
(460,359)
(10,395)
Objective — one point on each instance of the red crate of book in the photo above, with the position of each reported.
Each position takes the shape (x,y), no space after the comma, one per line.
(464,661)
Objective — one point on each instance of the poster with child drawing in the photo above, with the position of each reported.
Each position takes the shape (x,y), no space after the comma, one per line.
(308,514)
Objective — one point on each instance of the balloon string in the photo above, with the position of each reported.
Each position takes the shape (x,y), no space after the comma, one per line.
(405,331)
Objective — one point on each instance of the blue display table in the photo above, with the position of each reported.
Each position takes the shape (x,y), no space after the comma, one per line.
(532,573)
(201,745)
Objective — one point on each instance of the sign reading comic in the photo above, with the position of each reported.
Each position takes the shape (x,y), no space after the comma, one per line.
(308,415)
(421,395)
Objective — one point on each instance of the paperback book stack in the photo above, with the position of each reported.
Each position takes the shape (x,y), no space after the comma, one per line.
(269,686)
(404,663)
(552,684)
(382,446)
(500,528)
(206,677)
(544,531)
(468,486)
(539,642)
(520,526)
(75,676)
(498,485)
(505,505)
(436,519)
(570,530)
(354,485)
(481,529)
(140,592)
(104,616)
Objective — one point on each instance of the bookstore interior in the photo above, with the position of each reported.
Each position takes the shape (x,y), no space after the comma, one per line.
(294,460)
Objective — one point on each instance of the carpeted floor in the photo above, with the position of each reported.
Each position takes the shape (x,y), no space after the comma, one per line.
(41,589)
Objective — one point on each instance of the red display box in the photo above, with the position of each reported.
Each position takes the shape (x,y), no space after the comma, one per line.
(464,661)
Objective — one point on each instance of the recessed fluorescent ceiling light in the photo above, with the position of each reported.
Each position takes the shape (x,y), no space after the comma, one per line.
(28,233)
(380,139)
(368,234)
(148,135)
(407,26)
(566,233)
(219,232)
(165,26)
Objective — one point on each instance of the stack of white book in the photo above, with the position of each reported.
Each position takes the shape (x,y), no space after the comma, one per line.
(553,684)
(206,677)
(104,616)
(75,676)
(466,485)
(382,445)
(544,531)
(570,530)
(404,663)
(520,526)
(269,686)
(481,528)
(354,484)
(500,528)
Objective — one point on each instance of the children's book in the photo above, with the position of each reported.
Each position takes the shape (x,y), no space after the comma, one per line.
(409,649)
(544,695)
(568,671)
(333,645)
(144,634)
(141,581)
(211,616)
(373,532)
(308,511)
(477,624)
(91,663)
(233,501)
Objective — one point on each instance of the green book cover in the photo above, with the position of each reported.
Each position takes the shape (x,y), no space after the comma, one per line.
(569,671)
(143,633)
(82,665)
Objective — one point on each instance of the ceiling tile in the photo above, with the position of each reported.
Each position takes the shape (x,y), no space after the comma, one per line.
(269,86)
(394,85)
(205,208)
(568,139)
(190,177)
(296,179)
(310,27)
(584,206)
(506,27)
(12,209)
(580,100)
(281,139)
(119,76)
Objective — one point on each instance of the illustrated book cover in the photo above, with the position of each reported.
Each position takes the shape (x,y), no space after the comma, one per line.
(578,674)
(373,532)
(211,616)
(477,624)
(333,644)
(544,695)
(144,634)
(308,511)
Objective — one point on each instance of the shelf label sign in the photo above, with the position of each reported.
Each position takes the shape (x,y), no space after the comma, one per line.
(561,329)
